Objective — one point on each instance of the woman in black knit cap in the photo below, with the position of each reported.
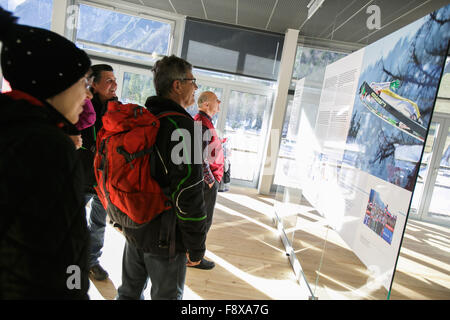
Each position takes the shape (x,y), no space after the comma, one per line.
(43,232)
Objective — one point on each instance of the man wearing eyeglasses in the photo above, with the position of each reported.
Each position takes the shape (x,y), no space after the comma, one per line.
(161,249)
(103,87)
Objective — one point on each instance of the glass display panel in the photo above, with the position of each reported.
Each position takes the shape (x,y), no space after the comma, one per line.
(430,147)
(444,88)
(301,109)
(310,60)
(357,157)
(440,203)
(442,105)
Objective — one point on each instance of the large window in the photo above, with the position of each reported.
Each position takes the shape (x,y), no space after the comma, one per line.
(36,13)
(137,88)
(122,34)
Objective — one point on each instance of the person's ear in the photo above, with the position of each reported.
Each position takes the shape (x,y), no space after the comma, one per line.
(176,86)
(94,87)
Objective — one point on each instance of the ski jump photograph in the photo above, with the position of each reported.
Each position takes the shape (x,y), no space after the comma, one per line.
(395,97)
(403,113)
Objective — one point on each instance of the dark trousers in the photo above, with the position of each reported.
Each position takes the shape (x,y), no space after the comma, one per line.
(210,196)
(167,277)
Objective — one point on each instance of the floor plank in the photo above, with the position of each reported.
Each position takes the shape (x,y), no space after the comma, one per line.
(251,263)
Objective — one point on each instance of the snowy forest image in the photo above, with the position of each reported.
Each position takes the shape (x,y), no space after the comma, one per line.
(414,63)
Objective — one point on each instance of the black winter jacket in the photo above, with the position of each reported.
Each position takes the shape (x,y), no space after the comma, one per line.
(87,152)
(183,184)
(43,232)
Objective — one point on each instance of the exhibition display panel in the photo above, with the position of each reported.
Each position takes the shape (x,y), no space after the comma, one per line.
(364,120)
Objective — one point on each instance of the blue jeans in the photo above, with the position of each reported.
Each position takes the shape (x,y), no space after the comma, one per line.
(167,277)
(97,225)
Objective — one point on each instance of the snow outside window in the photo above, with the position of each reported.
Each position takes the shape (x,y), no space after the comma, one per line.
(121,34)
(36,13)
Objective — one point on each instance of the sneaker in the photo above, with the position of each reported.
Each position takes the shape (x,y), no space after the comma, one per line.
(99,273)
(205,265)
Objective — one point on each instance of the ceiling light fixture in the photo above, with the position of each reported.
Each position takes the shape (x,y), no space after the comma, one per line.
(313,6)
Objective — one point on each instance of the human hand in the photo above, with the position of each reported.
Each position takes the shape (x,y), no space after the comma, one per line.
(211,185)
(77,141)
(191,263)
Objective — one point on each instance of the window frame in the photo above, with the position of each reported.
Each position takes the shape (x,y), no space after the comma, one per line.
(175,21)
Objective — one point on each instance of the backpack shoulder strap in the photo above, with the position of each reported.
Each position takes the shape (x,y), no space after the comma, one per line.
(171,113)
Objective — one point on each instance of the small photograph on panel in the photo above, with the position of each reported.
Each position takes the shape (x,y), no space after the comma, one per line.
(378,217)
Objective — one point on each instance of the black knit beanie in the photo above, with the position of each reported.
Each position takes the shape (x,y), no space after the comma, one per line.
(37,61)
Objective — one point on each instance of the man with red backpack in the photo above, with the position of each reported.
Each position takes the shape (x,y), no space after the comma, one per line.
(163,222)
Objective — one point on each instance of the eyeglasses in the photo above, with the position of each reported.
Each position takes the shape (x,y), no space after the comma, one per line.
(88,81)
(192,79)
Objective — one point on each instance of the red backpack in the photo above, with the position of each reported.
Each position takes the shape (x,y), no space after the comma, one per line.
(124,162)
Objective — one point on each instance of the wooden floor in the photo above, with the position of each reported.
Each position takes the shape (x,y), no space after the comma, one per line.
(243,242)
(333,271)
(251,261)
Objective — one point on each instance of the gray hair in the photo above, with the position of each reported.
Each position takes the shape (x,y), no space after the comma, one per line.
(166,70)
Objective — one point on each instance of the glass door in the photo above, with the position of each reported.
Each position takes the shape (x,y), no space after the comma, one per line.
(431,200)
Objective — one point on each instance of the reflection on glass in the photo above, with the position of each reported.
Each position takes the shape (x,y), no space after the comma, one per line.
(287,145)
(424,167)
(440,204)
(442,106)
(243,125)
(137,88)
(300,116)
(309,60)
(444,87)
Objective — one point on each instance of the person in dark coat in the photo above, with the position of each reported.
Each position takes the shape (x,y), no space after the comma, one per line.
(44,240)
(103,88)
(213,162)
(160,249)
